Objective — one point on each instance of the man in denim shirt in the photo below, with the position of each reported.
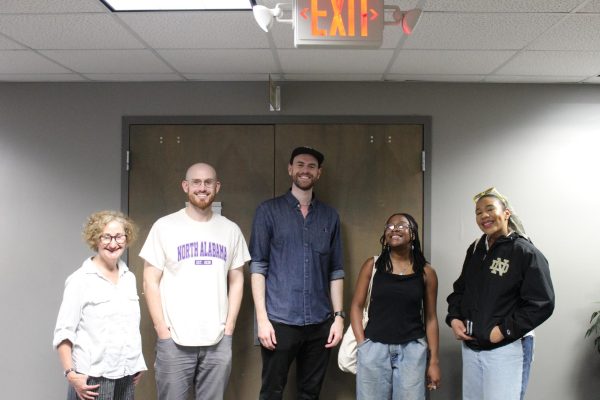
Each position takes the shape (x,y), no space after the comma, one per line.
(297,281)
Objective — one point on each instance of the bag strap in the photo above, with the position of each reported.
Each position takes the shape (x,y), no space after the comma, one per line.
(368,302)
(475,243)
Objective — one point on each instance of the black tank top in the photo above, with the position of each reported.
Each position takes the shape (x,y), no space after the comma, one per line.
(395,312)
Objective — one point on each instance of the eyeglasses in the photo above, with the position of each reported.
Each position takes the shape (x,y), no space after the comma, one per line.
(106,238)
(208,183)
(402,226)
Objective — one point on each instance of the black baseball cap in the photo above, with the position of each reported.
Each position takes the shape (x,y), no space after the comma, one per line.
(307,150)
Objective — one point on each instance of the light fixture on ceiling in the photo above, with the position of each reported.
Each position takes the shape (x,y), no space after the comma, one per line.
(175,5)
(408,19)
(265,16)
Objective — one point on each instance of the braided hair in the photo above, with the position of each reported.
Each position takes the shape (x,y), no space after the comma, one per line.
(384,262)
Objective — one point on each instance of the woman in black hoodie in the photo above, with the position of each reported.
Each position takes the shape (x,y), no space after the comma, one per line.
(504,291)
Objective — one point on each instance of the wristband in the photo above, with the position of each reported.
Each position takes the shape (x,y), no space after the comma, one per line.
(68,371)
(339,314)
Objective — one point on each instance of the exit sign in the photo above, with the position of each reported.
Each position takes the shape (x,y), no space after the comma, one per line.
(338,23)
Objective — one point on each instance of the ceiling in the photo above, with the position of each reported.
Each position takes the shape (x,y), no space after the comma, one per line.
(539,41)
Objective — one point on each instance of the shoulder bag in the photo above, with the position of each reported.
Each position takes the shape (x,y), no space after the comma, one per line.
(348,349)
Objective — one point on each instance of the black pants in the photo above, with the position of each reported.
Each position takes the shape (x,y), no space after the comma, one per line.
(306,345)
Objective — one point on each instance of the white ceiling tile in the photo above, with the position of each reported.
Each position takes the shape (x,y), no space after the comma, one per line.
(109,61)
(568,63)
(434,78)
(503,5)
(576,32)
(334,77)
(215,61)
(197,30)
(591,7)
(334,61)
(530,79)
(133,77)
(478,31)
(41,78)
(51,6)
(27,62)
(405,4)
(7,44)
(167,45)
(269,3)
(283,35)
(68,31)
(392,35)
(228,77)
(447,62)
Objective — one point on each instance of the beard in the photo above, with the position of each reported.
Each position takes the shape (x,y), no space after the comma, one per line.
(201,203)
(304,184)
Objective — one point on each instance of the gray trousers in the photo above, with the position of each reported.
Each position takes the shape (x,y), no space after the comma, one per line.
(110,389)
(178,369)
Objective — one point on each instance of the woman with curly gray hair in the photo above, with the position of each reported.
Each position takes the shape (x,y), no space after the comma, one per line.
(97,330)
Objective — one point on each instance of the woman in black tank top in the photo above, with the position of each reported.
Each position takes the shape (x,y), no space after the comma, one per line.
(398,348)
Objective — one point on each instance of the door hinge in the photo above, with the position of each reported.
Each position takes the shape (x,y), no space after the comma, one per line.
(423,161)
(127,153)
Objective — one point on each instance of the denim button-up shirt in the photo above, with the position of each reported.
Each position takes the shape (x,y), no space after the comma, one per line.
(298,257)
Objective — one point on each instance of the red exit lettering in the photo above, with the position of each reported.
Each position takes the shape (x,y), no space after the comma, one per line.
(341,17)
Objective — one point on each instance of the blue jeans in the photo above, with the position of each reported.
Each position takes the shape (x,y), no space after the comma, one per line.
(391,371)
(527,342)
(493,374)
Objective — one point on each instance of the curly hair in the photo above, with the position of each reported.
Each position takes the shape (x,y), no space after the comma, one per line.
(97,222)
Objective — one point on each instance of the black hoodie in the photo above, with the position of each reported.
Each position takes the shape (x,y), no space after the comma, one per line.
(508,285)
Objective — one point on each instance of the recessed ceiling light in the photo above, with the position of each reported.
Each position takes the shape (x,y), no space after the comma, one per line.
(175,5)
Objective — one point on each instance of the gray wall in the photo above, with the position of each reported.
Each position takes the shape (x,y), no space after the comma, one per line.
(60,160)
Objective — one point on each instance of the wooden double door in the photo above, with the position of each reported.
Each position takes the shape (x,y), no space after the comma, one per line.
(370,172)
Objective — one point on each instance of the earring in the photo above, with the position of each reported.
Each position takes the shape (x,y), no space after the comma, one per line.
(412,246)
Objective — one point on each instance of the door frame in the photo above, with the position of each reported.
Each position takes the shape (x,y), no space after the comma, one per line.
(424,121)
